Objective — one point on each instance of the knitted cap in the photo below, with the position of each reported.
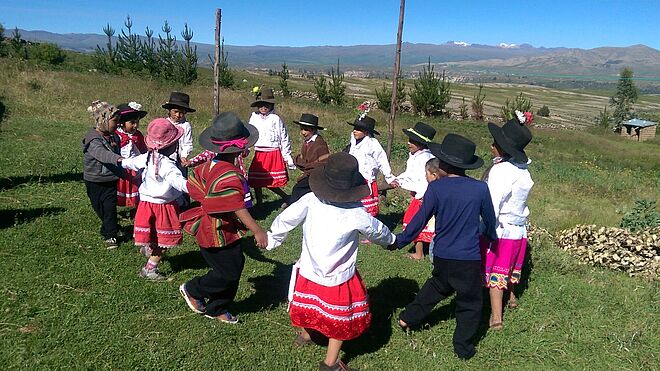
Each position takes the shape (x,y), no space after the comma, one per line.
(102,112)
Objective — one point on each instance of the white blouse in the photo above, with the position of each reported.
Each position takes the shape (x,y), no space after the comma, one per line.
(186,140)
(272,134)
(330,237)
(371,158)
(414,177)
(166,187)
(509,187)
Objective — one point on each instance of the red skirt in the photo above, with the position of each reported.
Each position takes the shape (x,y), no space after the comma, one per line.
(157,225)
(339,312)
(371,201)
(267,170)
(127,189)
(429,230)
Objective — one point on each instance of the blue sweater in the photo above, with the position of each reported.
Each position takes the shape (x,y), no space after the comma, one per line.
(457,203)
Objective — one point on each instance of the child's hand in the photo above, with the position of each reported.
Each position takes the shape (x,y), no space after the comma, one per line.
(185,162)
(392,247)
(395,184)
(119,160)
(262,239)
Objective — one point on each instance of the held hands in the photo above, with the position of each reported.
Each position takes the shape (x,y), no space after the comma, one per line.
(261,238)
(291,166)
(395,184)
(185,162)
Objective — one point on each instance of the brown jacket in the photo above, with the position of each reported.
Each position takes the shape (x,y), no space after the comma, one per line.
(311,155)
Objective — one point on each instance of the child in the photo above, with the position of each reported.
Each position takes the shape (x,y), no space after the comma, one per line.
(457,201)
(100,168)
(221,220)
(371,158)
(178,106)
(509,183)
(327,293)
(272,152)
(132,144)
(433,173)
(157,226)
(414,180)
(313,153)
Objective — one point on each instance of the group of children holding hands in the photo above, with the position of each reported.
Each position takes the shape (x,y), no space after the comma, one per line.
(474,230)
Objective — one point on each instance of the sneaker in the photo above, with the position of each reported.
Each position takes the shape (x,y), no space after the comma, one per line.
(225,317)
(111,243)
(145,251)
(151,274)
(196,305)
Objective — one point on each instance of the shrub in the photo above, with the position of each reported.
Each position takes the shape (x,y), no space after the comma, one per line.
(520,103)
(604,119)
(337,88)
(430,94)
(3,46)
(284,80)
(321,87)
(478,105)
(384,96)
(225,75)
(643,216)
(543,111)
(463,110)
(46,53)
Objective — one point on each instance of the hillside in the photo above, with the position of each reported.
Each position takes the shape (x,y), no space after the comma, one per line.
(67,302)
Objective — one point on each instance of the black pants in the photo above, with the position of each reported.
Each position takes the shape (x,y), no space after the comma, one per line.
(220,284)
(449,276)
(300,189)
(103,196)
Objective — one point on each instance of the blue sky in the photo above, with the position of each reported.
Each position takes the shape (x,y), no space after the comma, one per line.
(570,23)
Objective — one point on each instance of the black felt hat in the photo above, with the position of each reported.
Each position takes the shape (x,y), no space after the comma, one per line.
(128,111)
(512,138)
(266,96)
(339,179)
(366,124)
(307,119)
(421,133)
(178,100)
(228,134)
(457,151)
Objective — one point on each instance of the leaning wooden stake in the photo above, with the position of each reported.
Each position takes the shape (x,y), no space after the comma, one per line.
(216,63)
(395,81)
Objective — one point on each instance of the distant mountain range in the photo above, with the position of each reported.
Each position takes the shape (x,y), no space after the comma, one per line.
(524,58)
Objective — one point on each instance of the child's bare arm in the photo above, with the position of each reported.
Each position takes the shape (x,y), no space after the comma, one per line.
(259,234)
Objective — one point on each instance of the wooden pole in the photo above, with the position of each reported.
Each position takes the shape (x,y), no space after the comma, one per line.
(395,80)
(216,63)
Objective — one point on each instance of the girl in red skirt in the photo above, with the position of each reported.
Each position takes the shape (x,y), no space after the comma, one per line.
(272,152)
(132,144)
(157,226)
(509,183)
(413,179)
(371,158)
(326,293)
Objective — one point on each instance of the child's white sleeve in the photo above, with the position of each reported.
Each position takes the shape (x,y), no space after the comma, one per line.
(186,141)
(174,178)
(377,232)
(285,144)
(286,221)
(135,163)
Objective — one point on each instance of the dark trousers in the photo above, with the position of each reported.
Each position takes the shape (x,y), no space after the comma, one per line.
(300,189)
(220,284)
(103,196)
(449,276)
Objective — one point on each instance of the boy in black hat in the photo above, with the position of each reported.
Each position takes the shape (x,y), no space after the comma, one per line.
(313,153)
(457,202)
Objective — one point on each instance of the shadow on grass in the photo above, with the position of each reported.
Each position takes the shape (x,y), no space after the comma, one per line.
(270,290)
(12,217)
(384,299)
(527,269)
(261,212)
(187,260)
(14,181)
(391,220)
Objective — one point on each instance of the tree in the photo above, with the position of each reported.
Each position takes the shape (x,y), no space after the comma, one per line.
(321,87)
(186,60)
(520,103)
(384,96)
(104,58)
(47,53)
(463,110)
(3,47)
(16,43)
(543,111)
(478,104)
(167,50)
(603,120)
(148,53)
(430,93)
(337,88)
(626,95)
(128,48)
(284,78)
(225,76)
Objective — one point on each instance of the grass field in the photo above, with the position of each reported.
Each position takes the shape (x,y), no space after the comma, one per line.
(66,302)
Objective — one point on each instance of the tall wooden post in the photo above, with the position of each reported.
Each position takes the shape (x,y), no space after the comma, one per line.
(216,63)
(395,80)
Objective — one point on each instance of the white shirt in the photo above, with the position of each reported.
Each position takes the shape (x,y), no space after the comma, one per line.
(272,134)
(330,237)
(166,187)
(186,140)
(509,187)
(129,149)
(414,177)
(371,158)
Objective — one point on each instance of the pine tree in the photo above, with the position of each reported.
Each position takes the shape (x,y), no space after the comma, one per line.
(167,51)
(284,78)
(186,61)
(105,58)
(520,103)
(430,93)
(149,55)
(321,87)
(626,95)
(463,110)
(225,75)
(384,96)
(478,104)
(128,48)
(17,47)
(337,88)
(3,46)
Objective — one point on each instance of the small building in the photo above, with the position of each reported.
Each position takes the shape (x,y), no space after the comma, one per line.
(639,130)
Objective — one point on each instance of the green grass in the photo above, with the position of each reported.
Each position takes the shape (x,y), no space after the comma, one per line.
(67,302)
